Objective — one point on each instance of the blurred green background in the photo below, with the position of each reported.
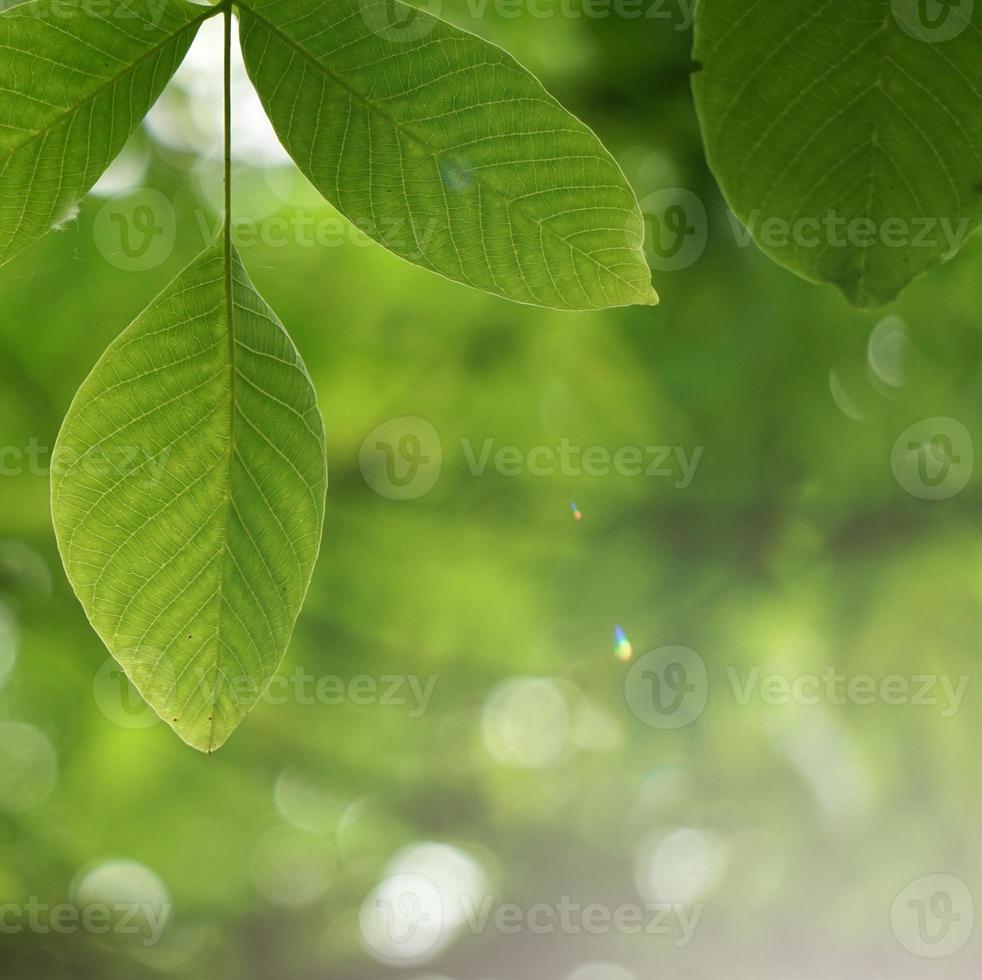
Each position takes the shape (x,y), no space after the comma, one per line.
(790,831)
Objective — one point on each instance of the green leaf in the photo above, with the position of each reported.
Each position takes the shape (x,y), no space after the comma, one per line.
(846,136)
(444,149)
(188,488)
(75,80)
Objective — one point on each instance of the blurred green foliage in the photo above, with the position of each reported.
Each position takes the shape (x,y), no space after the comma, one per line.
(794,548)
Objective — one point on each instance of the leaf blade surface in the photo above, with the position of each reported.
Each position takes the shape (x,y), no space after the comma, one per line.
(445,150)
(854,129)
(75,82)
(188,497)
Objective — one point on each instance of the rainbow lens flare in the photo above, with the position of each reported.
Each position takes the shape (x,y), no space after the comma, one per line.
(622,645)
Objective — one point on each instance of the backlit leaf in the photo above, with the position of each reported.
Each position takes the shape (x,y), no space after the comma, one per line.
(444,149)
(846,136)
(188,497)
(75,80)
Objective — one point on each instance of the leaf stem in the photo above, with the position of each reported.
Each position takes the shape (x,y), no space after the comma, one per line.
(228,128)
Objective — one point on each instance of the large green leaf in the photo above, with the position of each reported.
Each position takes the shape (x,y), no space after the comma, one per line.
(75,80)
(444,149)
(188,490)
(846,136)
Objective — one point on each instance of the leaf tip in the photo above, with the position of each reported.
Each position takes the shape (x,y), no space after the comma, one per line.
(206,742)
(867,298)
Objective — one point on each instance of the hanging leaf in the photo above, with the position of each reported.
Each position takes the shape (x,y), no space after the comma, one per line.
(188,497)
(444,149)
(846,136)
(76,80)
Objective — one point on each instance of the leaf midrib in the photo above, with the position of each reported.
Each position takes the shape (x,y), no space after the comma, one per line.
(419,141)
(230,319)
(884,40)
(93,96)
